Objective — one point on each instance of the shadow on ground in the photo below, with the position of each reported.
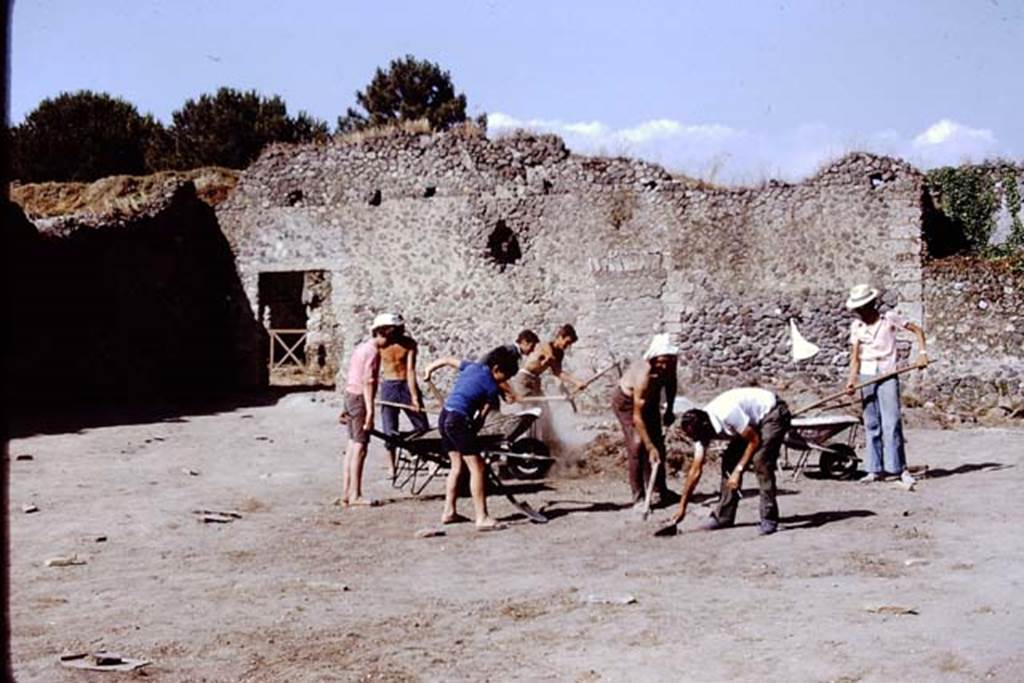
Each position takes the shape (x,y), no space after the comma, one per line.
(64,419)
(939,472)
(816,519)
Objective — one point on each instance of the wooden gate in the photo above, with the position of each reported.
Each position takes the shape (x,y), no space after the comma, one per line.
(288,341)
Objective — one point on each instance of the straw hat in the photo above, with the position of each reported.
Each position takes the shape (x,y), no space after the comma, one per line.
(860,295)
(661,345)
(387,320)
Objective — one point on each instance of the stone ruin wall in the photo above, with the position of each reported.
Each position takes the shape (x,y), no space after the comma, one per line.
(473,239)
(431,226)
(974,316)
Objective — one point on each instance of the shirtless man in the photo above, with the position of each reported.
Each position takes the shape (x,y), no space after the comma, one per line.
(526,342)
(636,401)
(546,356)
(398,385)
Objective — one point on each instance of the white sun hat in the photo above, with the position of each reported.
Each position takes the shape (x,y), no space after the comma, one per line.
(387,320)
(661,345)
(860,295)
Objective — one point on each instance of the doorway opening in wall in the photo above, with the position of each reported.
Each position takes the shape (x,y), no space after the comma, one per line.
(294,307)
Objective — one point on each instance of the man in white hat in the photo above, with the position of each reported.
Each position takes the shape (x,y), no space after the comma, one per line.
(636,402)
(872,353)
(360,394)
(754,421)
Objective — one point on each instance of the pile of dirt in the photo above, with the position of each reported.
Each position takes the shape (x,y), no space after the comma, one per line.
(120,194)
(605,455)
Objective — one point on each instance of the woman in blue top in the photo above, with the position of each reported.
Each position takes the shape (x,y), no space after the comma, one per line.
(475,394)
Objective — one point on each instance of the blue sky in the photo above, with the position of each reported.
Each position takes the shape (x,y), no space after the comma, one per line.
(731,91)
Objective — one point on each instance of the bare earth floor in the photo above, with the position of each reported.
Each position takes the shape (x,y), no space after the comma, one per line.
(301,590)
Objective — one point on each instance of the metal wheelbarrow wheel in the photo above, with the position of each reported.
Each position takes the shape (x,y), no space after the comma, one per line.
(840,463)
(525,468)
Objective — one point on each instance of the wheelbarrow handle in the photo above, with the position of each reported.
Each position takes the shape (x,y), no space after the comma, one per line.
(840,394)
(404,406)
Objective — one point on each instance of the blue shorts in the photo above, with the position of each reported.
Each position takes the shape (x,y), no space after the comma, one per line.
(458,433)
(397,391)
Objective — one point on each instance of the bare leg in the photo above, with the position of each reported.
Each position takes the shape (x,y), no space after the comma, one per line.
(346,481)
(391,465)
(356,474)
(477,484)
(451,490)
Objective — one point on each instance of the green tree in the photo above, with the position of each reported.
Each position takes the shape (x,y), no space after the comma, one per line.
(230,129)
(409,90)
(80,136)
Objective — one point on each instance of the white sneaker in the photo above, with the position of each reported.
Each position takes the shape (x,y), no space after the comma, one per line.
(907,480)
(870,478)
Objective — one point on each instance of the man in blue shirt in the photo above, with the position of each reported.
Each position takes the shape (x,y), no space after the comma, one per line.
(475,394)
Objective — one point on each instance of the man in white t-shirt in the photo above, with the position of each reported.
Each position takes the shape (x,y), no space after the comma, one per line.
(754,421)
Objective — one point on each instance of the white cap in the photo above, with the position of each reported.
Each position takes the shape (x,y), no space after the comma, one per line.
(387,320)
(661,345)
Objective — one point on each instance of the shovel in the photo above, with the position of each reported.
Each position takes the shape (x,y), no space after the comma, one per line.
(435,392)
(650,491)
(841,394)
(668,530)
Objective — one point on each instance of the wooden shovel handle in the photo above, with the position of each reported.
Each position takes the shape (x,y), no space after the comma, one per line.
(594,379)
(840,394)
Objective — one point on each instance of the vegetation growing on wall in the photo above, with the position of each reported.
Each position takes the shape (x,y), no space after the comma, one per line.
(971,196)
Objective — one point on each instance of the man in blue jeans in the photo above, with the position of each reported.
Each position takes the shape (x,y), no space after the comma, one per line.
(398,385)
(873,352)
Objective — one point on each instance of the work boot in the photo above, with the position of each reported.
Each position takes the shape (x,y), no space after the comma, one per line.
(767,527)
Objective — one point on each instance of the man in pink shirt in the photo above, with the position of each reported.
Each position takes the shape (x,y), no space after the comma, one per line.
(873,353)
(360,394)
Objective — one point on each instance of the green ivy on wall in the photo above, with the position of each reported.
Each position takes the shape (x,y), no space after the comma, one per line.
(967,196)
(970,196)
(1011,194)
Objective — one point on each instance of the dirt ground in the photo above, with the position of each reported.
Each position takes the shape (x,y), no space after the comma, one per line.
(300,590)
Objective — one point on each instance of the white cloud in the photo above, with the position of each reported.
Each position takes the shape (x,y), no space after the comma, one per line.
(945,131)
(722,153)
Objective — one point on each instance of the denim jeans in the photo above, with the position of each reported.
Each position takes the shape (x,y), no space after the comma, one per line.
(883,426)
(397,391)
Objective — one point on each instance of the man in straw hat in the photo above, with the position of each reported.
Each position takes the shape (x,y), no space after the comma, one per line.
(873,352)
(754,421)
(360,394)
(636,402)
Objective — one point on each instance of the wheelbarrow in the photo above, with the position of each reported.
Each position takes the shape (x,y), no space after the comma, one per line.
(837,459)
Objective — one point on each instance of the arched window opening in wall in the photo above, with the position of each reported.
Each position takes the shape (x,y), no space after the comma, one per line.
(503,246)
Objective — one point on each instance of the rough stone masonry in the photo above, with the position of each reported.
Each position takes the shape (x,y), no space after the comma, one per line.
(472,239)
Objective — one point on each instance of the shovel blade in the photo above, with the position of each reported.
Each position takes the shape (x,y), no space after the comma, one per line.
(668,530)
(531,514)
